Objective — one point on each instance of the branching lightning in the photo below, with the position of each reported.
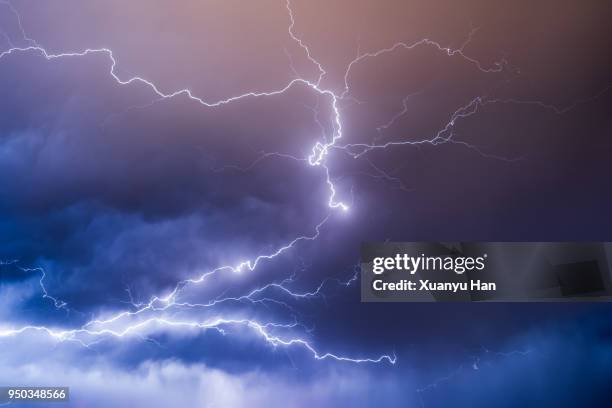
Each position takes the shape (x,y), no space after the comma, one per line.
(153,316)
(475,365)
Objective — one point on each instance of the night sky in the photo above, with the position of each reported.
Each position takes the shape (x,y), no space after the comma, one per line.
(185,186)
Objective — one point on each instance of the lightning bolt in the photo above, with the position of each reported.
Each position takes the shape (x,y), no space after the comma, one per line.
(134,322)
(58,303)
(474,366)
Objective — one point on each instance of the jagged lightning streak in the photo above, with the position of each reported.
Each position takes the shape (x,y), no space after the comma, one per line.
(162,303)
(264,330)
(498,66)
(17,16)
(380,129)
(446,135)
(261,157)
(318,158)
(320,150)
(461,369)
(255,295)
(315,160)
(58,303)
